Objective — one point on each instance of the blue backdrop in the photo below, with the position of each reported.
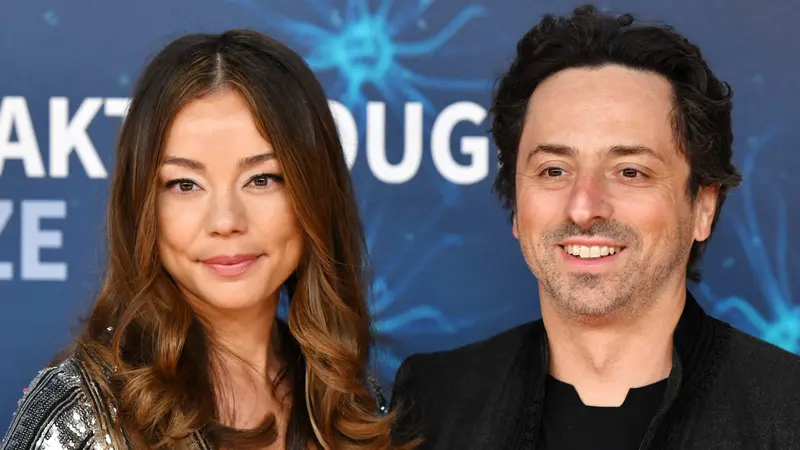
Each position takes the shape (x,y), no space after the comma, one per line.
(410,83)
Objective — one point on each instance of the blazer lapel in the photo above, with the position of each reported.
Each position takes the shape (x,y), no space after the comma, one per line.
(511,415)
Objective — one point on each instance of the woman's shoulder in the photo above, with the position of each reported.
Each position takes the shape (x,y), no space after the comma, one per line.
(377,393)
(59,410)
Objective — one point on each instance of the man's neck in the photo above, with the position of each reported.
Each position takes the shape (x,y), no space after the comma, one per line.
(603,361)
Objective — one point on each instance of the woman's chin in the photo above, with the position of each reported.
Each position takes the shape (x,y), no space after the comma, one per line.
(236,302)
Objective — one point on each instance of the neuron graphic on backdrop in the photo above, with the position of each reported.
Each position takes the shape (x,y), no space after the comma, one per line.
(411,255)
(780,322)
(361,46)
(393,280)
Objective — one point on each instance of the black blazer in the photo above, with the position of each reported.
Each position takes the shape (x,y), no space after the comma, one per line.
(727,390)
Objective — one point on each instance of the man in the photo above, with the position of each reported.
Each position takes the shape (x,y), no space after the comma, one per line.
(615,146)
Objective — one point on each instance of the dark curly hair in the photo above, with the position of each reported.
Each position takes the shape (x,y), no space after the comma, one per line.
(588,38)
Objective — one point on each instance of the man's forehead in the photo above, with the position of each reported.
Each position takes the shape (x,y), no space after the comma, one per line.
(591,135)
(607,106)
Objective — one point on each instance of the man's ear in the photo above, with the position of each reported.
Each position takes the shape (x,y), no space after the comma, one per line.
(705,206)
(514,229)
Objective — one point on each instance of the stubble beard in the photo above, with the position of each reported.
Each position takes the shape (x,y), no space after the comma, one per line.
(623,294)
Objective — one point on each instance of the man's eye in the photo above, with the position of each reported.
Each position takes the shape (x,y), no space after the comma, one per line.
(630,173)
(553,172)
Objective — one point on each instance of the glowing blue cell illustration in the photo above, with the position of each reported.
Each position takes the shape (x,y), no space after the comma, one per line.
(363,48)
(778,321)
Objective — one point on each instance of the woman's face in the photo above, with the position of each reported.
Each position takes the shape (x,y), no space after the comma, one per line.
(227,232)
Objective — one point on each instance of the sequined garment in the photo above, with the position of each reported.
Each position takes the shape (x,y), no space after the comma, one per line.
(58,412)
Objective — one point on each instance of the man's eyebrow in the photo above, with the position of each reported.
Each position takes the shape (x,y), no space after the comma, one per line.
(551,149)
(613,151)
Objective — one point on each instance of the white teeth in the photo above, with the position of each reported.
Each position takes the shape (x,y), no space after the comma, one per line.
(584,251)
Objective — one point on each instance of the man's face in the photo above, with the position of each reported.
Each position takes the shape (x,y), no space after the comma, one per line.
(602,211)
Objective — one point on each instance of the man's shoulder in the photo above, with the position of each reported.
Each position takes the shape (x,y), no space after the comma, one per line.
(760,378)
(430,387)
(489,352)
(473,365)
(56,408)
(756,388)
(764,364)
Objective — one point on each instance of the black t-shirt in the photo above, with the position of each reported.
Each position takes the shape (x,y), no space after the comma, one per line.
(568,424)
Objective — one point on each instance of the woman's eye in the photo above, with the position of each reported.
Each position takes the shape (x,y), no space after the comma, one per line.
(185,186)
(182,185)
(261,180)
(265,180)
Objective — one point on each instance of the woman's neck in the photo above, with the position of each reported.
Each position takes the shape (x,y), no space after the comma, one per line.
(243,336)
(248,341)
(248,364)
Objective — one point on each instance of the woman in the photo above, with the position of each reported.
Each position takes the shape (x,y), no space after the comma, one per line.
(230,187)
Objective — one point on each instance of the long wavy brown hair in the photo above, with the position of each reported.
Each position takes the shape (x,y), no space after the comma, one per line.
(143,343)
